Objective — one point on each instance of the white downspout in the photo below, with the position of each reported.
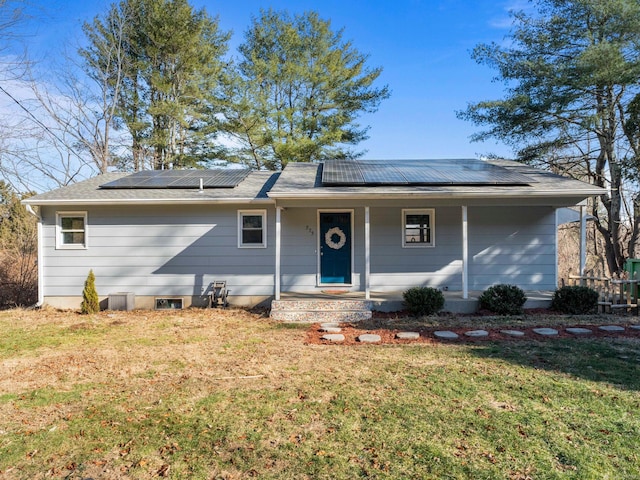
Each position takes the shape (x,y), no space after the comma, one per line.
(39,257)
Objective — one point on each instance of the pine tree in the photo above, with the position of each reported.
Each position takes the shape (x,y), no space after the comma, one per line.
(297,92)
(90,302)
(572,103)
(170,77)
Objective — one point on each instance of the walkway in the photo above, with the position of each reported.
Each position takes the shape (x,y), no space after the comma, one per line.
(348,333)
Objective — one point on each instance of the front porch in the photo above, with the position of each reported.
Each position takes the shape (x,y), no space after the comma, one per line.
(354,306)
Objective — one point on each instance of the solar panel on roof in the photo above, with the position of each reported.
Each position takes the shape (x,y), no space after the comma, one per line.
(219,178)
(418,172)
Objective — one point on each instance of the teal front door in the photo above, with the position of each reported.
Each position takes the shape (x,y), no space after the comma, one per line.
(335,247)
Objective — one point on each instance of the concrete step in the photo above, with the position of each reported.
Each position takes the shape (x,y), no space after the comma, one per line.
(313,316)
(311,311)
(333,305)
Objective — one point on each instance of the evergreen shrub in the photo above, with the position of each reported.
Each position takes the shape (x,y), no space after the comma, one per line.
(423,300)
(575,300)
(90,302)
(503,299)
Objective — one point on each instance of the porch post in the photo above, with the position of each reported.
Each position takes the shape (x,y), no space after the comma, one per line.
(465,254)
(367,255)
(583,238)
(278,247)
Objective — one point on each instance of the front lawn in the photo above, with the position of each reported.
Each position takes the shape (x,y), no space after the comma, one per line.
(204,394)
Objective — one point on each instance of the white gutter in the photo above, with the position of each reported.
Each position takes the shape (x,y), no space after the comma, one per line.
(438,195)
(39,257)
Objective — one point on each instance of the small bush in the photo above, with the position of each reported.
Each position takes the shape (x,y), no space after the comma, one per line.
(575,300)
(90,302)
(503,299)
(423,300)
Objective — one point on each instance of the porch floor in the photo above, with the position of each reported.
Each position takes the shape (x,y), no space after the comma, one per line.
(392,301)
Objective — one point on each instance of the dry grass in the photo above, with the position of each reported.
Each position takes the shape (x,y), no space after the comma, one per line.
(230,394)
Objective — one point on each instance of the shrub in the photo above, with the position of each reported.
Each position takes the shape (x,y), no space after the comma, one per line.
(90,301)
(575,300)
(423,300)
(503,299)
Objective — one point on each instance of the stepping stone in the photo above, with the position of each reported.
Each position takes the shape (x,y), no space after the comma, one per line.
(477,333)
(579,331)
(408,335)
(611,328)
(369,338)
(513,333)
(446,334)
(330,325)
(333,337)
(547,332)
(635,327)
(331,329)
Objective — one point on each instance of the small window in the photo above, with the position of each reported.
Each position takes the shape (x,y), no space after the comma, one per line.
(252,228)
(417,228)
(71,230)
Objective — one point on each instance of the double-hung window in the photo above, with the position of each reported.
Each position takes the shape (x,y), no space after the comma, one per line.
(418,227)
(71,230)
(252,228)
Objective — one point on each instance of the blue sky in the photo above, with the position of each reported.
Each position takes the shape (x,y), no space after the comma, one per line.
(423,47)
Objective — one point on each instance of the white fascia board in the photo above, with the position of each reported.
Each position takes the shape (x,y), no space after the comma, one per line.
(155,201)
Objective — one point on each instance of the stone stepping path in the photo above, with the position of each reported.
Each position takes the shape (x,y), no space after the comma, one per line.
(330,325)
(333,337)
(611,328)
(369,338)
(408,335)
(331,329)
(477,333)
(546,332)
(579,331)
(446,334)
(512,333)
(332,333)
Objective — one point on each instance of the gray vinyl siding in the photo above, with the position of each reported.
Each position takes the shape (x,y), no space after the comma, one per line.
(394,268)
(159,251)
(178,250)
(513,246)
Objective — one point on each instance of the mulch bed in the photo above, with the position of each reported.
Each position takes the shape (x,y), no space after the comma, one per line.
(351,331)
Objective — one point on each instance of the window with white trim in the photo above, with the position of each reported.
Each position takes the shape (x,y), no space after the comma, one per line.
(418,227)
(252,228)
(71,230)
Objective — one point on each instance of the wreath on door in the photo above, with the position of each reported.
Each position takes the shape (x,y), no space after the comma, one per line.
(328,238)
